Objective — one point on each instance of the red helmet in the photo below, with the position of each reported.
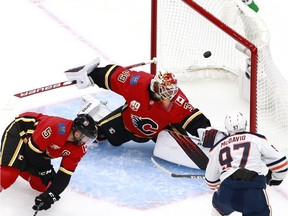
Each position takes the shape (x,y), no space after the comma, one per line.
(167,85)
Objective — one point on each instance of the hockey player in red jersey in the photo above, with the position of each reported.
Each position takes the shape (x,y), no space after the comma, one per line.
(235,170)
(153,103)
(29,143)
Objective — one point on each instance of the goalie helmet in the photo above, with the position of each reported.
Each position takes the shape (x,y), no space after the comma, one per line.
(165,85)
(235,122)
(86,125)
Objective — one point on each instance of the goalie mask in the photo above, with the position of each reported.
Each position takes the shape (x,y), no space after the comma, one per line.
(165,85)
(87,126)
(235,122)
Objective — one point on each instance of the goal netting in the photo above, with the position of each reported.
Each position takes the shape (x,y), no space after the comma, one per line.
(238,39)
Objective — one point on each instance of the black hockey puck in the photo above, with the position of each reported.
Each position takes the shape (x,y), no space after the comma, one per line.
(207,54)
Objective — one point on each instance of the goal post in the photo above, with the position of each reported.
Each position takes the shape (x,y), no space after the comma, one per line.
(182,30)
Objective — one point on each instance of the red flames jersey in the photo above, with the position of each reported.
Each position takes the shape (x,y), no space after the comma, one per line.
(49,134)
(143,116)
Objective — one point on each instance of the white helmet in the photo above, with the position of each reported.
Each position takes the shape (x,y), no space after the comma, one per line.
(166,85)
(235,122)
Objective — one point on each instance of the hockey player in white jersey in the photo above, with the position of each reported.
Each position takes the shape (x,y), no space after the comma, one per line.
(237,170)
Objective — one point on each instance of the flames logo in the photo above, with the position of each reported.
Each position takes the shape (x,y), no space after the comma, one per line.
(146,125)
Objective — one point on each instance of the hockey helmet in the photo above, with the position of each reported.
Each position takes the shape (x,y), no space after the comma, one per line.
(235,122)
(86,125)
(165,85)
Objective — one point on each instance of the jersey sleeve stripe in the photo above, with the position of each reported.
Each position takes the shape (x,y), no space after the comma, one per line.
(33,148)
(107,76)
(279,164)
(16,153)
(280,167)
(213,185)
(190,119)
(62,169)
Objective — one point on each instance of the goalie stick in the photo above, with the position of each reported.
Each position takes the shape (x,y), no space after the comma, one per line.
(68,83)
(194,176)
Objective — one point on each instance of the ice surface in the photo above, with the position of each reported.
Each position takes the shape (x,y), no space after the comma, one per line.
(42,38)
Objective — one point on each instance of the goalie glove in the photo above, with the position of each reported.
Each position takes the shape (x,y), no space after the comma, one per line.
(81,77)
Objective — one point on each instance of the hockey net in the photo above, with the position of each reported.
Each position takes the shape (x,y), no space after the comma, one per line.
(183,30)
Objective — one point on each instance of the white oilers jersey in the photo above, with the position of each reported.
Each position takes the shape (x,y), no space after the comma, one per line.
(243,150)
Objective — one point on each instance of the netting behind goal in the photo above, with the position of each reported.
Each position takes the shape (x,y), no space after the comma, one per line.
(183,30)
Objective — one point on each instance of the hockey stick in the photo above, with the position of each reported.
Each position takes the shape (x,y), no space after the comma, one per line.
(194,176)
(68,83)
(38,207)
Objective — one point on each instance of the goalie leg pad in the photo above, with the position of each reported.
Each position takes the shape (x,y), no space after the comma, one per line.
(167,148)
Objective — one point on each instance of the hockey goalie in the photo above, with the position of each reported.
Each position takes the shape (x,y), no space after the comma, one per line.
(167,144)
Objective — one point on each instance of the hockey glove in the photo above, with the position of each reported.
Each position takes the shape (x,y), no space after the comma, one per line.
(47,175)
(270,181)
(45,200)
(81,77)
(209,136)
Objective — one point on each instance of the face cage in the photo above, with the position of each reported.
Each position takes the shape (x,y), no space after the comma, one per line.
(167,93)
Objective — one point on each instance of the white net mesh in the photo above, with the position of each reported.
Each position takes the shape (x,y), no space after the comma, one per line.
(184,35)
(272,101)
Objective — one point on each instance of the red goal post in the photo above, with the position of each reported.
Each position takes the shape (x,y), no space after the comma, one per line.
(182,30)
